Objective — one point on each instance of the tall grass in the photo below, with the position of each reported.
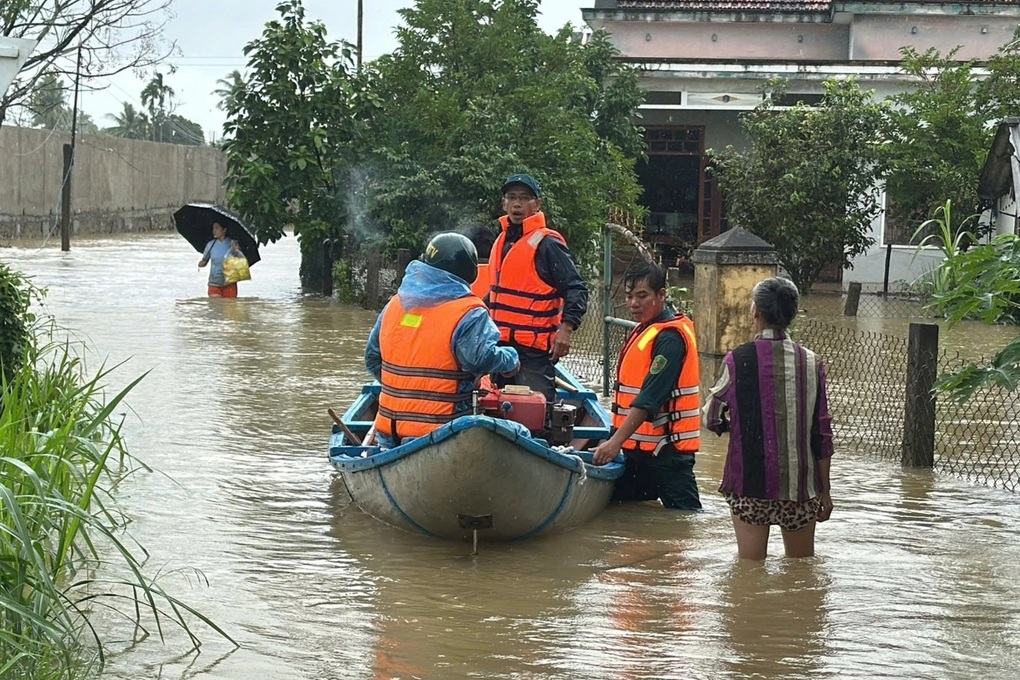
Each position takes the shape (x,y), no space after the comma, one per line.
(62,457)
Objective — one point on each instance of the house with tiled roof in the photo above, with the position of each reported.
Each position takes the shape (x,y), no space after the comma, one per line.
(702,62)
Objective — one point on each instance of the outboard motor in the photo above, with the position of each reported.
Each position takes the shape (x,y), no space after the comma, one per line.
(562,423)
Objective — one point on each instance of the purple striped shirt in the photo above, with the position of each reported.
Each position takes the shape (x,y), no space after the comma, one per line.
(771,397)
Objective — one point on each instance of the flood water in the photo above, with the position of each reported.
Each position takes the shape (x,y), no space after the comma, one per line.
(916,576)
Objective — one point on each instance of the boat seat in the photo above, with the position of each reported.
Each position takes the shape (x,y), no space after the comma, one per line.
(590,432)
(580,432)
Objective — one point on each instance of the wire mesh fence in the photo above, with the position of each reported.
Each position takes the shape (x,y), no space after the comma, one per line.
(867,385)
(873,305)
(977,440)
(891,306)
(588,356)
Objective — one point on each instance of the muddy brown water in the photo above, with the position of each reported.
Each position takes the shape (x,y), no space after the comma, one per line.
(916,576)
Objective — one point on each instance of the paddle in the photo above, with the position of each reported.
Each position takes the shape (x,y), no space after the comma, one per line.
(370,437)
(347,431)
(560,382)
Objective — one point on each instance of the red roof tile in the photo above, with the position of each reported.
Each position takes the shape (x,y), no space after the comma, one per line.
(778,6)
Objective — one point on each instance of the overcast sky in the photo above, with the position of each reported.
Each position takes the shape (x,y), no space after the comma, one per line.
(210,35)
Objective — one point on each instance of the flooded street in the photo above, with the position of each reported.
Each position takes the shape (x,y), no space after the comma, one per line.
(916,576)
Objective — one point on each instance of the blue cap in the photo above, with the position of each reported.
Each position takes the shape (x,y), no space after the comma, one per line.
(523,180)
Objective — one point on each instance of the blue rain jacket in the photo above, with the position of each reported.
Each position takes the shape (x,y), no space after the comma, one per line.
(474,340)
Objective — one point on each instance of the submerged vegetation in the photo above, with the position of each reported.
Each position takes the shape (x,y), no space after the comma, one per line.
(62,457)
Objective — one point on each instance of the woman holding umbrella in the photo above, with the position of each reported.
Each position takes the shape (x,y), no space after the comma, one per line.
(216,251)
(196,222)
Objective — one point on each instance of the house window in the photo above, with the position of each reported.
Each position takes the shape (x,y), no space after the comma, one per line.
(899,224)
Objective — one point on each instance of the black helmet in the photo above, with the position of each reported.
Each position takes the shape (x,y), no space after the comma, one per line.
(453,253)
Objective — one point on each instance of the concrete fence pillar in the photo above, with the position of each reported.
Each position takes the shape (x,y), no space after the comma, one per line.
(726,268)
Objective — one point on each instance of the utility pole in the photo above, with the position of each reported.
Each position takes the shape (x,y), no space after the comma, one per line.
(65,189)
(361,23)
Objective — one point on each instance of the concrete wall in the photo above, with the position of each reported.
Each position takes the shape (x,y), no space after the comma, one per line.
(906,263)
(860,37)
(880,37)
(118,185)
(724,40)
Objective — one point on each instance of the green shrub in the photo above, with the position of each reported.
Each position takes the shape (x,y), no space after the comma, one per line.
(344,286)
(16,295)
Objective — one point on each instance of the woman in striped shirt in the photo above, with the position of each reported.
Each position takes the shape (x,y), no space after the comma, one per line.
(771,398)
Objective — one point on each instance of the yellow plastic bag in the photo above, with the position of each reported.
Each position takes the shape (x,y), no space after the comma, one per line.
(235,268)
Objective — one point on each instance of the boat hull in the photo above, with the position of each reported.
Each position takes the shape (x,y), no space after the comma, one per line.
(476,472)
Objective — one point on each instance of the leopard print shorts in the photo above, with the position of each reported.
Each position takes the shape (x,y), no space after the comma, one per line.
(790,515)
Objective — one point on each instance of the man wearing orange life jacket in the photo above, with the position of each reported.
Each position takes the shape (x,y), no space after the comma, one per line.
(656,404)
(537,297)
(430,343)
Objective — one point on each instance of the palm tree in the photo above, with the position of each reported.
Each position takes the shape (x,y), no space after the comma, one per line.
(158,98)
(229,91)
(130,124)
(49,110)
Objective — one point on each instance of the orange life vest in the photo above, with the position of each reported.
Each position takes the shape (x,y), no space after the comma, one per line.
(481,285)
(678,421)
(526,309)
(420,374)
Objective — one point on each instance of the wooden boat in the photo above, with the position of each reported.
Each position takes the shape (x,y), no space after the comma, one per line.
(480,476)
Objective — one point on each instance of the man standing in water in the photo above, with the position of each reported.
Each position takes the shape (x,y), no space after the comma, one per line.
(537,298)
(656,414)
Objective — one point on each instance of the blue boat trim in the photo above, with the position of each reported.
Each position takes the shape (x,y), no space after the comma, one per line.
(400,510)
(554,515)
(349,458)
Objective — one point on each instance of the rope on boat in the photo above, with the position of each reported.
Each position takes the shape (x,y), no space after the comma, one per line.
(584,468)
(568,451)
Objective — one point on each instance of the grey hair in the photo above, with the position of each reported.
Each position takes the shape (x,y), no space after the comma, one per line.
(777,300)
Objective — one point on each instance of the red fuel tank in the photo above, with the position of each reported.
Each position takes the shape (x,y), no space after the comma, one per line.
(517,403)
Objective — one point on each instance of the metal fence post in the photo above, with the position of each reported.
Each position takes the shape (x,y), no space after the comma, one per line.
(919,413)
(607,303)
(853,299)
(888,262)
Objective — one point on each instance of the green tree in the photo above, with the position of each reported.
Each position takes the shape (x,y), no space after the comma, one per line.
(180,130)
(943,126)
(290,138)
(809,183)
(47,104)
(939,140)
(113,36)
(158,98)
(129,124)
(230,88)
(49,109)
(475,91)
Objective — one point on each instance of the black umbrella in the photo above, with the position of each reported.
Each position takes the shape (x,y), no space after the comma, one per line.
(194,222)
